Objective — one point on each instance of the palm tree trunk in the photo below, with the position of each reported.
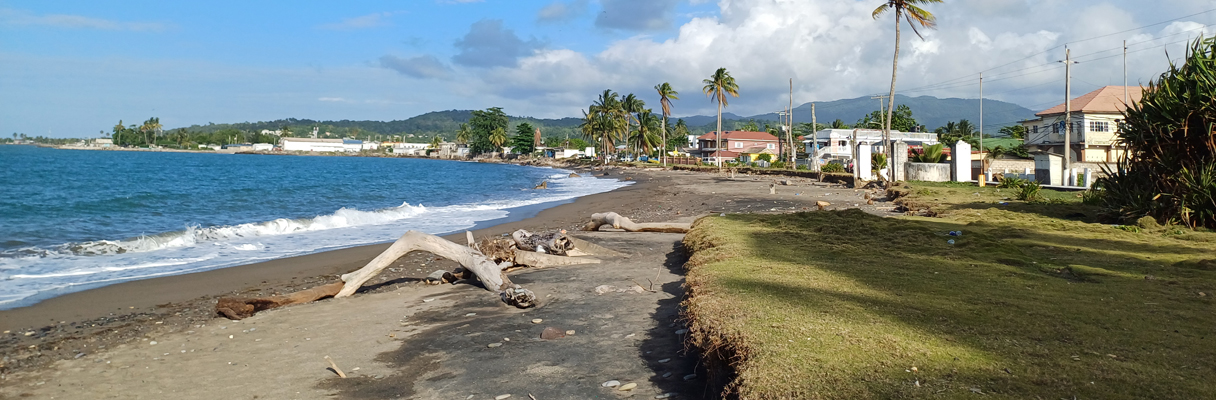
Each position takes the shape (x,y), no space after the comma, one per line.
(886,133)
(718,134)
(663,156)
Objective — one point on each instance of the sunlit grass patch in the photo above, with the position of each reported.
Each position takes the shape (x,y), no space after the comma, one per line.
(1022,304)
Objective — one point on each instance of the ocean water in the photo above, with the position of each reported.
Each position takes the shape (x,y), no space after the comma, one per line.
(76,219)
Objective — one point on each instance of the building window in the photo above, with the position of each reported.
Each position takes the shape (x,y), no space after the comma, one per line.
(1034,129)
(771,146)
(738,145)
(1055,128)
(1099,126)
(842,143)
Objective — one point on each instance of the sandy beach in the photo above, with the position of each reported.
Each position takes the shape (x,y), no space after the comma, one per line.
(150,338)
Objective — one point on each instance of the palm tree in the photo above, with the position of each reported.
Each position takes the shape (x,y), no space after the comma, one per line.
(909,10)
(497,137)
(631,105)
(645,139)
(717,87)
(435,142)
(462,135)
(666,95)
(285,131)
(606,121)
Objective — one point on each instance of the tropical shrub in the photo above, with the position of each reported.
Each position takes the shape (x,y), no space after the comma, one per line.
(777,164)
(1012,182)
(1030,191)
(832,168)
(878,162)
(1169,172)
(764,157)
(801,167)
(929,154)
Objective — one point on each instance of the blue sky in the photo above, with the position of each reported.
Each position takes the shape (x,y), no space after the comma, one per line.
(72,68)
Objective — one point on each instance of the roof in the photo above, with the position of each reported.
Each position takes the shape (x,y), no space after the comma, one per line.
(724,153)
(756,150)
(1108,99)
(311,140)
(740,135)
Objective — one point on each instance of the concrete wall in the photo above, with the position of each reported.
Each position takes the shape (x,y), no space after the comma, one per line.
(930,172)
(960,156)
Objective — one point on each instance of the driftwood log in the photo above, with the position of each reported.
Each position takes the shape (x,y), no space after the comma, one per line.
(244,307)
(619,222)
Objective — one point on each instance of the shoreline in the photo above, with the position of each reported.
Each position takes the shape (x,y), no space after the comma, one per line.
(143,295)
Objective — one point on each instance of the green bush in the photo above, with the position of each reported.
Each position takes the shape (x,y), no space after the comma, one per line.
(801,168)
(929,154)
(832,168)
(1030,192)
(878,162)
(1012,182)
(777,164)
(764,157)
(1170,169)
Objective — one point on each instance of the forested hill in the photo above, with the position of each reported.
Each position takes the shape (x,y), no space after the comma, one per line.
(422,127)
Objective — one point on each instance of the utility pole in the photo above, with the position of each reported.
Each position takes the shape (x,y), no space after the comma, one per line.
(1125,73)
(886,137)
(790,132)
(982,173)
(815,141)
(1067,114)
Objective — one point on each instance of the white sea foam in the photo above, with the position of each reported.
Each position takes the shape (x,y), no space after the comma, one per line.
(28,272)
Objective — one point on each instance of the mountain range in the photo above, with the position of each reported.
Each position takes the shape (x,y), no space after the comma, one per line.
(929,111)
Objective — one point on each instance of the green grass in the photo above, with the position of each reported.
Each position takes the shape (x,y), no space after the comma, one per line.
(1005,142)
(1024,304)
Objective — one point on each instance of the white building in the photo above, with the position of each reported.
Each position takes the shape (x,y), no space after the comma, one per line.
(263,147)
(838,143)
(1095,120)
(409,149)
(321,145)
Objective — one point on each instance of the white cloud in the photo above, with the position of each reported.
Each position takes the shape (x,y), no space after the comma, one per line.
(22,18)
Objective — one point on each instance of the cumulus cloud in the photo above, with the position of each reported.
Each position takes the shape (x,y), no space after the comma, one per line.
(560,11)
(835,50)
(20,18)
(422,67)
(360,22)
(636,15)
(490,44)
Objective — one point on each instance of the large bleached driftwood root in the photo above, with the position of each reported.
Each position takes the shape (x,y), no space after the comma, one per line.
(486,270)
(619,222)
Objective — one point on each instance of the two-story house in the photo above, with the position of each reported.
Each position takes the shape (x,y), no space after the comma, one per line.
(1095,123)
(742,145)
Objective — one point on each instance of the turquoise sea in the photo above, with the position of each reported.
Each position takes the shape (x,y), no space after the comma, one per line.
(77,219)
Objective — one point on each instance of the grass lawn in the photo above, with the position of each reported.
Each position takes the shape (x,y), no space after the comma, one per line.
(1005,142)
(1025,304)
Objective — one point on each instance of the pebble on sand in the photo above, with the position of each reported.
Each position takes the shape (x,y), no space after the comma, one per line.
(611,384)
(502,396)
(628,386)
(537,321)
(492,345)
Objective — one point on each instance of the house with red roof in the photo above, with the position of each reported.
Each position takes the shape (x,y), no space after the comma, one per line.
(1095,123)
(743,146)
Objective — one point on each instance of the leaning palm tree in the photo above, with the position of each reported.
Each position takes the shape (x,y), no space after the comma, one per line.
(906,9)
(498,137)
(666,95)
(462,135)
(717,87)
(645,138)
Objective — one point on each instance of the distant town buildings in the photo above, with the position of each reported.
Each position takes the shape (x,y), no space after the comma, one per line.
(321,145)
(838,143)
(742,145)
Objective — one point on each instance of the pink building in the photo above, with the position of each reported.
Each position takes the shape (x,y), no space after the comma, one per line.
(744,145)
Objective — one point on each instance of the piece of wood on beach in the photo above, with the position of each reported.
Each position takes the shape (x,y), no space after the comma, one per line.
(237,308)
(620,222)
(489,272)
(334,366)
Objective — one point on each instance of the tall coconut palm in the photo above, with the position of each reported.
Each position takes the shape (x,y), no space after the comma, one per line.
(462,135)
(632,106)
(435,142)
(645,139)
(497,137)
(717,87)
(666,95)
(609,120)
(911,11)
